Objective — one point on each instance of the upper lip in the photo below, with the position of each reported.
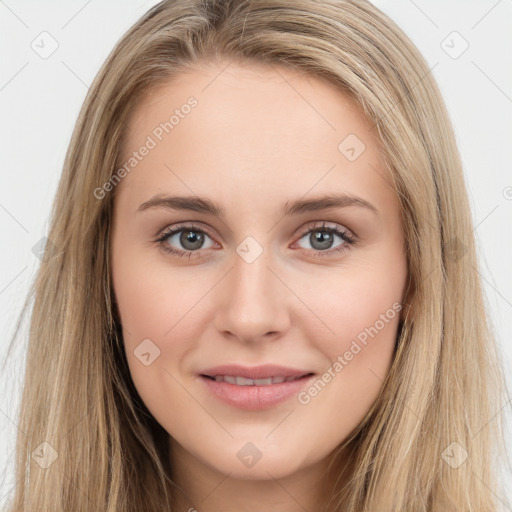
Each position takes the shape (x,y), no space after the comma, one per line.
(254,372)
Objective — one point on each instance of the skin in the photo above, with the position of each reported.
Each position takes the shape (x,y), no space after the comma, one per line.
(259,137)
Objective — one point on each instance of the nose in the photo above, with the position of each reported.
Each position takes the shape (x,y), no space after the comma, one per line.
(252,302)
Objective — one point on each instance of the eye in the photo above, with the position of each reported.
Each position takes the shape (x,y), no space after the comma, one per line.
(321,239)
(188,238)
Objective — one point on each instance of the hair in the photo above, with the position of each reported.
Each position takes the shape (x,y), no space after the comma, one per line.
(445,385)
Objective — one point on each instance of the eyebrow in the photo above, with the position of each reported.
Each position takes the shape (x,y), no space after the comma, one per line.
(203,205)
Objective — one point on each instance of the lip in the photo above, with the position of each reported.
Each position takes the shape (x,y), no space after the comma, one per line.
(254,372)
(255,397)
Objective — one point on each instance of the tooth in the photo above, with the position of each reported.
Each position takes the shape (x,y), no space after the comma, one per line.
(263,382)
(242,381)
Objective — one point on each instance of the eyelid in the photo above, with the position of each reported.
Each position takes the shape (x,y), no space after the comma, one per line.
(183,226)
(322,224)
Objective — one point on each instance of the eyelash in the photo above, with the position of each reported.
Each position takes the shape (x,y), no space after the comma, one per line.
(347,238)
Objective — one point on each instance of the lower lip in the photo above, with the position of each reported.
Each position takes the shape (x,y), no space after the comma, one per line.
(253,398)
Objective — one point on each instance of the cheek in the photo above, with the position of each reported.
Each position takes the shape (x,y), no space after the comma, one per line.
(353,301)
(156,306)
(151,297)
(361,309)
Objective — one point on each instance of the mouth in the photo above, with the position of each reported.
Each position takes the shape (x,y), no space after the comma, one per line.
(257,388)
(238,380)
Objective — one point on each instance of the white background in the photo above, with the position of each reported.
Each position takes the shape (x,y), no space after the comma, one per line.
(40,99)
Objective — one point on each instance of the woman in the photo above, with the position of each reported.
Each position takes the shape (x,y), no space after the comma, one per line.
(188,352)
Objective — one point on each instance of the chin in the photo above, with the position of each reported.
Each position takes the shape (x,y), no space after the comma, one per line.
(245,460)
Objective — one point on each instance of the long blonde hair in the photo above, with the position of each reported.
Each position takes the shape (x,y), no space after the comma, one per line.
(442,396)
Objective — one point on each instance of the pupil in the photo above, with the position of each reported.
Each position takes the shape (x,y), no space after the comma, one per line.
(191,237)
(324,238)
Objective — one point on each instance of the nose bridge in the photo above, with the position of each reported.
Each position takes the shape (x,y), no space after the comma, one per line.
(252,301)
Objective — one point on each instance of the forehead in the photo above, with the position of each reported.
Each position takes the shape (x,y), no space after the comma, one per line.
(252,128)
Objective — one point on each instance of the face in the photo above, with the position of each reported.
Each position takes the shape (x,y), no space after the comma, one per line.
(256,238)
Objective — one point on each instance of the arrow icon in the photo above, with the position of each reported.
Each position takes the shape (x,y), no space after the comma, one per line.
(249,455)
(44,455)
(40,454)
(146,352)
